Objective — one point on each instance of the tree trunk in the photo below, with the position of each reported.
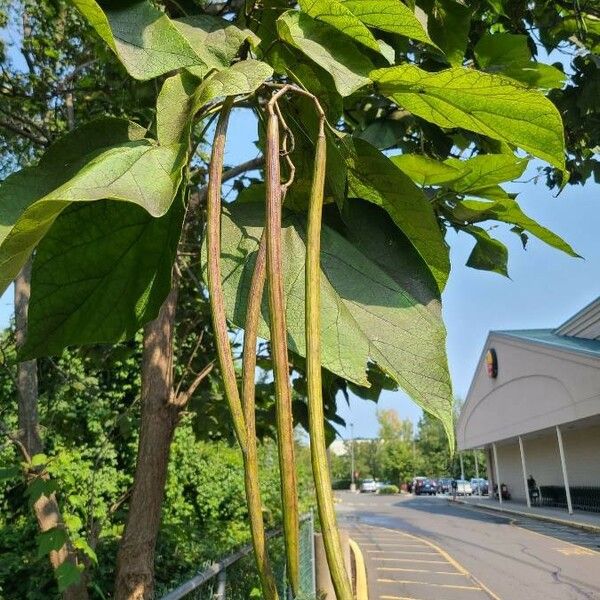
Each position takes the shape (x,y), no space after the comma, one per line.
(135,560)
(46,508)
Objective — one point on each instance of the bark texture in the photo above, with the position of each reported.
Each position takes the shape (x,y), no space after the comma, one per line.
(46,509)
(135,560)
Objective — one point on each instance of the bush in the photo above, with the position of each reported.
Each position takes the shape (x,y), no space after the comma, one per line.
(389,489)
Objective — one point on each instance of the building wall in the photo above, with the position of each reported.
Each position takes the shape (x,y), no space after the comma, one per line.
(582,452)
(509,463)
(542,458)
(537,387)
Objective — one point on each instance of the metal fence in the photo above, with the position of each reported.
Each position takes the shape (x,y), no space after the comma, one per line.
(229,577)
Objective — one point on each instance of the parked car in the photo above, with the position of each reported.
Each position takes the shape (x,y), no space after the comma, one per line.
(368,486)
(463,487)
(425,486)
(480,486)
(445,485)
(413,484)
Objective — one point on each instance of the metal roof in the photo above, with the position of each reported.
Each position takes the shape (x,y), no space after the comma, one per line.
(584,324)
(549,337)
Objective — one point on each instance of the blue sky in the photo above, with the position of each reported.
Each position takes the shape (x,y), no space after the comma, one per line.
(545,288)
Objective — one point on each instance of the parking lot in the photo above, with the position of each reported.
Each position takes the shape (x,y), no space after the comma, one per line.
(421,548)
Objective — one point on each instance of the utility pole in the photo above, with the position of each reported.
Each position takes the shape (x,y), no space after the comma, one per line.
(353,483)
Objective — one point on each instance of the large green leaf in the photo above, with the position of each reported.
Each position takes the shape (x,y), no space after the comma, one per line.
(426,171)
(482,172)
(175,108)
(345,349)
(339,16)
(463,176)
(101,272)
(183,95)
(150,44)
(376,236)
(325,45)
(373,177)
(392,16)
(367,311)
(492,105)
(488,254)
(243,77)
(216,40)
(509,54)
(507,210)
(448,24)
(143,37)
(104,159)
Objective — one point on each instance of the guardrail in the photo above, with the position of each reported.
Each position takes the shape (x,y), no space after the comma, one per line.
(219,569)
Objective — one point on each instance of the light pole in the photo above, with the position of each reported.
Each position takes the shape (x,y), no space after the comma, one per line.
(353,483)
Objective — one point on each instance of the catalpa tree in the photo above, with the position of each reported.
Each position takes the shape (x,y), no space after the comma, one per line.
(377,136)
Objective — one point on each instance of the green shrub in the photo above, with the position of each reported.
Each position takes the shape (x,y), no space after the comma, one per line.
(389,489)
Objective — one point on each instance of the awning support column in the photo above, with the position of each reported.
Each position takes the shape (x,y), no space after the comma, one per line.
(497,468)
(477,472)
(462,466)
(524,472)
(563,463)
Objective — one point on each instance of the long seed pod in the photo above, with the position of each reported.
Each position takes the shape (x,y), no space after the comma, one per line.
(285,430)
(253,497)
(243,420)
(318,452)
(215,288)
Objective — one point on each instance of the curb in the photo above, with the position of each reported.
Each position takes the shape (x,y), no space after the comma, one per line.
(361,591)
(547,518)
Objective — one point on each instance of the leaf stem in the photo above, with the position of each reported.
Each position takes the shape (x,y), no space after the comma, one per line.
(283,405)
(318,451)
(253,497)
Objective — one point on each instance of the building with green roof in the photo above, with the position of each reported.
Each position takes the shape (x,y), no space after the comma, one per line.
(534,406)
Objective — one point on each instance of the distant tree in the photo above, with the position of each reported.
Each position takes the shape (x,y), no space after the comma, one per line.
(396,456)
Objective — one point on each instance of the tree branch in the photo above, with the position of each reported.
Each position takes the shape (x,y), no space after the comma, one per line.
(249,165)
(20,130)
(181,399)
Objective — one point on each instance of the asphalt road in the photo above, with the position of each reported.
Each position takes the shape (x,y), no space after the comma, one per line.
(426,548)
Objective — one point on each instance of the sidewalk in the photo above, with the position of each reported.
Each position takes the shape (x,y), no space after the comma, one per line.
(582,520)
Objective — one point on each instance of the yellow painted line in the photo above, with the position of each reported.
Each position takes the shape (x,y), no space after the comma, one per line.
(361,592)
(404,570)
(398,598)
(427,583)
(402,552)
(430,562)
(568,551)
(394,544)
(445,555)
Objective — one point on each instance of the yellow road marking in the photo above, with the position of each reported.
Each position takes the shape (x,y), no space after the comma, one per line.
(577,551)
(445,555)
(398,598)
(395,544)
(402,569)
(402,552)
(431,562)
(361,591)
(441,585)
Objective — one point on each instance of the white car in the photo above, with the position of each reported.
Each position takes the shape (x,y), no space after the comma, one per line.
(463,487)
(368,485)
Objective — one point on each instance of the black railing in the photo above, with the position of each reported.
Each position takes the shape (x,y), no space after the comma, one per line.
(582,497)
